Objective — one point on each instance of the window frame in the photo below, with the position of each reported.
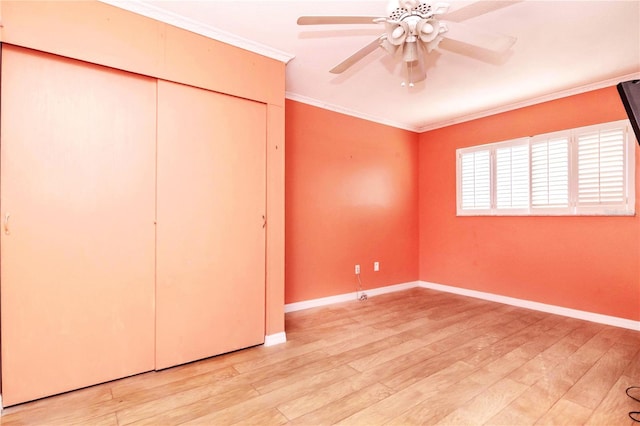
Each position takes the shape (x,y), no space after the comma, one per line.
(628,174)
(474,211)
(574,208)
(555,211)
(494,203)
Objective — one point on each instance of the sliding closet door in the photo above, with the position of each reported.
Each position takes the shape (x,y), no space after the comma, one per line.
(78,204)
(210,291)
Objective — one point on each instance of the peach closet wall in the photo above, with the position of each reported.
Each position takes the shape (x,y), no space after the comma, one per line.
(101,34)
(105,35)
(588,263)
(351,198)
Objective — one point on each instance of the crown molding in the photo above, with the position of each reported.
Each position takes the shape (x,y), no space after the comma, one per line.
(335,108)
(533,101)
(485,113)
(150,11)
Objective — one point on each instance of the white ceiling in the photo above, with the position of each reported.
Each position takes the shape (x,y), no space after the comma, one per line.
(562,48)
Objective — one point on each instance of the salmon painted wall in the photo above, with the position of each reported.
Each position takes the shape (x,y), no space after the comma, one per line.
(585,263)
(351,198)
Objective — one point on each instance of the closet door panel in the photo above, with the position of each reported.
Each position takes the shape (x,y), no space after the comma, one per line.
(78,200)
(210,235)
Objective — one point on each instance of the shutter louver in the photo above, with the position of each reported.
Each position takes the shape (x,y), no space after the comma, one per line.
(601,168)
(476,173)
(512,177)
(550,173)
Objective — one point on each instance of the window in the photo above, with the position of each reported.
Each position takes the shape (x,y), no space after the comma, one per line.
(476,193)
(584,171)
(512,176)
(550,173)
(601,162)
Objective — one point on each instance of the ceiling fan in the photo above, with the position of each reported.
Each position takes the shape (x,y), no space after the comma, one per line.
(412,30)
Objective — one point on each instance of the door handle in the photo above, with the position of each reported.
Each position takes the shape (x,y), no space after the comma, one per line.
(6,224)
(264,221)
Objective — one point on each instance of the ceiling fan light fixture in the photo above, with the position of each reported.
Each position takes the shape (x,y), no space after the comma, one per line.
(410,52)
(397,32)
(433,44)
(389,47)
(414,72)
(428,29)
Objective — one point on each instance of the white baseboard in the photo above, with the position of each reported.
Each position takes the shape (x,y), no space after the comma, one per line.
(323,301)
(275,339)
(537,306)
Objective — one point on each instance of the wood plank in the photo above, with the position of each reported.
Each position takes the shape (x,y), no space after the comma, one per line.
(566,412)
(551,387)
(407,398)
(180,377)
(314,401)
(337,410)
(484,406)
(196,404)
(540,365)
(616,405)
(216,394)
(633,369)
(57,406)
(381,356)
(269,416)
(591,389)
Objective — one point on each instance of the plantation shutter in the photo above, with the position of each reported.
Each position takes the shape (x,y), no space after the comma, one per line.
(550,173)
(476,180)
(601,167)
(583,171)
(512,177)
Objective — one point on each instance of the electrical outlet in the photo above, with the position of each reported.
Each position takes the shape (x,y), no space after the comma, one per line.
(376,266)
(357,269)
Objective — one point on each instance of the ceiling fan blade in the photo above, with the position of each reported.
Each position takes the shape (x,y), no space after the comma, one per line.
(351,60)
(478,8)
(335,20)
(498,43)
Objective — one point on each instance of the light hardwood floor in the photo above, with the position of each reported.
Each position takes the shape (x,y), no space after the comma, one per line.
(412,357)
